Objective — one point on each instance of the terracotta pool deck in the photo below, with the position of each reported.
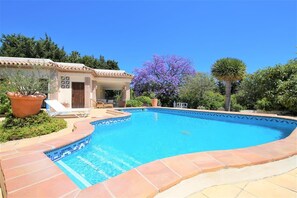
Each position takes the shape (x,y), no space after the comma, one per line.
(27,172)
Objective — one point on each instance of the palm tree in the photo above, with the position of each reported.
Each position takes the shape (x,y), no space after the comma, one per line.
(228,70)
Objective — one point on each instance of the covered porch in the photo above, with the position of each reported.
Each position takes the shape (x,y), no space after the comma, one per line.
(111,91)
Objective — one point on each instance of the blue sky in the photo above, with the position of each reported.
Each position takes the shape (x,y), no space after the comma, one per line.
(261,33)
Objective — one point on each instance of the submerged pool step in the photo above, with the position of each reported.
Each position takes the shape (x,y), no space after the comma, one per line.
(106,161)
(102,164)
(97,164)
(83,183)
(94,167)
(114,154)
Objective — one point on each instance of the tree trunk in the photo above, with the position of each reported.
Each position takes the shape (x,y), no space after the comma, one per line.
(228,96)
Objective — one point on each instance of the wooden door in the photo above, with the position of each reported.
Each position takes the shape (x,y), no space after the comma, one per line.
(78,95)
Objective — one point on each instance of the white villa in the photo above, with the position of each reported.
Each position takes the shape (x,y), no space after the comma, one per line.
(77,85)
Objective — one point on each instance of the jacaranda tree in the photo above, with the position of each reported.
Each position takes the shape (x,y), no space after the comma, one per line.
(228,70)
(162,76)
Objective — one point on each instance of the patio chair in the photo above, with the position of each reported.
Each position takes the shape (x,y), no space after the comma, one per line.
(101,104)
(181,105)
(61,110)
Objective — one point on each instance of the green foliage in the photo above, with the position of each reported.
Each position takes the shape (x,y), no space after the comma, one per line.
(248,93)
(201,108)
(93,62)
(151,95)
(132,94)
(134,103)
(28,82)
(288,93)
(228,69)
(264,104)
(145,100)
(235,106)
(212,100)
(5,106)
(17,45)
(13,122)
(13,128)
(193,89)
(222,88)
(273,88)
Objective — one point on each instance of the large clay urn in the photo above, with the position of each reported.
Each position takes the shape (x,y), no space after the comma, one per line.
(154,102)
(23,106)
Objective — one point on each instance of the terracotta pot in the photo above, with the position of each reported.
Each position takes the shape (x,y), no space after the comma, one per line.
(154,102)
(122,103)
(23,106)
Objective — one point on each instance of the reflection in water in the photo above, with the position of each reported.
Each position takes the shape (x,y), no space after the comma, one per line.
(156,118)
(185,132)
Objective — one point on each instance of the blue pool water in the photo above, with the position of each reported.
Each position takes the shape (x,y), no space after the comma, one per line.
(154,134)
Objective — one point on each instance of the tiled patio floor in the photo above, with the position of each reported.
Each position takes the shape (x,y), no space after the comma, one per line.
(282,186)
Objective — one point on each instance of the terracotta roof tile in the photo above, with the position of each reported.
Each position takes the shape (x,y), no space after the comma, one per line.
(74,67)
(16,61)
(79,67)
(112,73)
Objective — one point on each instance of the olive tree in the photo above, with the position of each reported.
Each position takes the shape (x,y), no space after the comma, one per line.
(228,70)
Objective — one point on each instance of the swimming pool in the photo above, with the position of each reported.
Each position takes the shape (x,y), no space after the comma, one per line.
(119,145)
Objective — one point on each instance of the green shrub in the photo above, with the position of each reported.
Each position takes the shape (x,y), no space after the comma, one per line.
(4,104)
(272,88)
(12,122)
(145,100)
(13,128)
(212,100)
(4,101)
(134,103)
(193,89)
(263,104)
(201,107)
(288,94)
(234,104)
(236,107)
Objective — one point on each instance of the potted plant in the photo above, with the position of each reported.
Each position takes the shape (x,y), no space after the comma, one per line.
(121,102)
(154,100)
(27,90)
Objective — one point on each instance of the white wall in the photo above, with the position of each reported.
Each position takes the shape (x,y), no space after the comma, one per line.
(65,95)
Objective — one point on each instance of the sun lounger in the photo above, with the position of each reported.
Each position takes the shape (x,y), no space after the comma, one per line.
(59,109)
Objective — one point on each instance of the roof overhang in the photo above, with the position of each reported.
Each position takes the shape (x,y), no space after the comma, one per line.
(63,67)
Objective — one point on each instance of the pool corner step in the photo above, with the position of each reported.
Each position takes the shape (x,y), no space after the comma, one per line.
(114,112)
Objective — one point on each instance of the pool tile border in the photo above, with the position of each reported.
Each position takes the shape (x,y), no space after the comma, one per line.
(40,175)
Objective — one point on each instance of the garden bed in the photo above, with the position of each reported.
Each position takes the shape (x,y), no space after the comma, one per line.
(12,128)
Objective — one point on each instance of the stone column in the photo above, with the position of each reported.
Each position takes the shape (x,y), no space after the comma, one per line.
(94,94)
(127,92)
(87,92)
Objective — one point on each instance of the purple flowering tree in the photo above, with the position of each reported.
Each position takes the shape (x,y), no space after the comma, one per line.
(162,76)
